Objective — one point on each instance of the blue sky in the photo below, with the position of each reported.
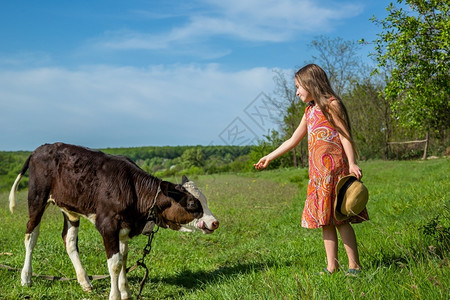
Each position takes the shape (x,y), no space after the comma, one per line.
(151,73)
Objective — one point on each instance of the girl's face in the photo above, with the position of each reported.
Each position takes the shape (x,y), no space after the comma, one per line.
(304,95)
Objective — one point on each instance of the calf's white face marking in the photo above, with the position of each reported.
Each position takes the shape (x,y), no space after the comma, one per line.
(207,223)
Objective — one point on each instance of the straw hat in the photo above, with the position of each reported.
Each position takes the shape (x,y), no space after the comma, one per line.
(351,197)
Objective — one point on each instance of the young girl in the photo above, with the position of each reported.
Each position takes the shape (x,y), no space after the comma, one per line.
(331,157)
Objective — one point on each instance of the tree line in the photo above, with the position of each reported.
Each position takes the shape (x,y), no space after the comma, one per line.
(172,160)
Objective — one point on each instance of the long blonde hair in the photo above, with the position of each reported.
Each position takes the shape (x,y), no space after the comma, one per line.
(314,80)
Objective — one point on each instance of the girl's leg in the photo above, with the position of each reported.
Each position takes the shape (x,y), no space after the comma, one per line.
(349,239)
(331,247)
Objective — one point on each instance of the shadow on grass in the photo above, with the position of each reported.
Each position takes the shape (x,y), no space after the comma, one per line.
(189,279)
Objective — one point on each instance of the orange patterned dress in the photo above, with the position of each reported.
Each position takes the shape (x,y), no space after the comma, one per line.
(327,164)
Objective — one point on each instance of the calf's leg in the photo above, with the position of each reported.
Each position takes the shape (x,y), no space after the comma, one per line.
(125,292)
(36,207)
(114,267)
(70,237)
(30,242)
(115,259)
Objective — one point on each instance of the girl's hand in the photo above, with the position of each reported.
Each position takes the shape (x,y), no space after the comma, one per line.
(262,163)
(353,168)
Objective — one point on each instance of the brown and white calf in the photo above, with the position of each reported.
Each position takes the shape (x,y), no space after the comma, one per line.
(114,194)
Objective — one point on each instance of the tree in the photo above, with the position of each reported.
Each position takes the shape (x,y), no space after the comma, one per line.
(339,60)
(193,157)
(414,43)
(370,117)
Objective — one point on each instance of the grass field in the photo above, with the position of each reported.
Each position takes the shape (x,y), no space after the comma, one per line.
(260,251)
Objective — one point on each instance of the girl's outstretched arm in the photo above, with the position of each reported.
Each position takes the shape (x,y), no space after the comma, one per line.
(293,141)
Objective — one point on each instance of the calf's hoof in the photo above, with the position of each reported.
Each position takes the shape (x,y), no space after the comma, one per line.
(26,283)
(25,280)
(87,287)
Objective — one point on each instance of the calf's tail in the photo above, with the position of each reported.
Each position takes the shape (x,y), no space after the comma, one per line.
(13,192)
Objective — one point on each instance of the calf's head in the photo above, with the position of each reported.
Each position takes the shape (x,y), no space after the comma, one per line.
(176,206)
(183,207)
(207,223)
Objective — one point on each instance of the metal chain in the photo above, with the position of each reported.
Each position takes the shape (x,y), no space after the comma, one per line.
(152,215)
(148,247)
(140,261)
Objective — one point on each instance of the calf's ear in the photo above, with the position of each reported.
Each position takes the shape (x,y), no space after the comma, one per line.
(164,187)
(171,190)
(184,179)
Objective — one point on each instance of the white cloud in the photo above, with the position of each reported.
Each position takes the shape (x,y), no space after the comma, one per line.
(21,59)
(104,106)
(252,20)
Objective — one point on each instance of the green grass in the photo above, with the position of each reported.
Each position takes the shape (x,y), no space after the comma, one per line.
(260,251)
